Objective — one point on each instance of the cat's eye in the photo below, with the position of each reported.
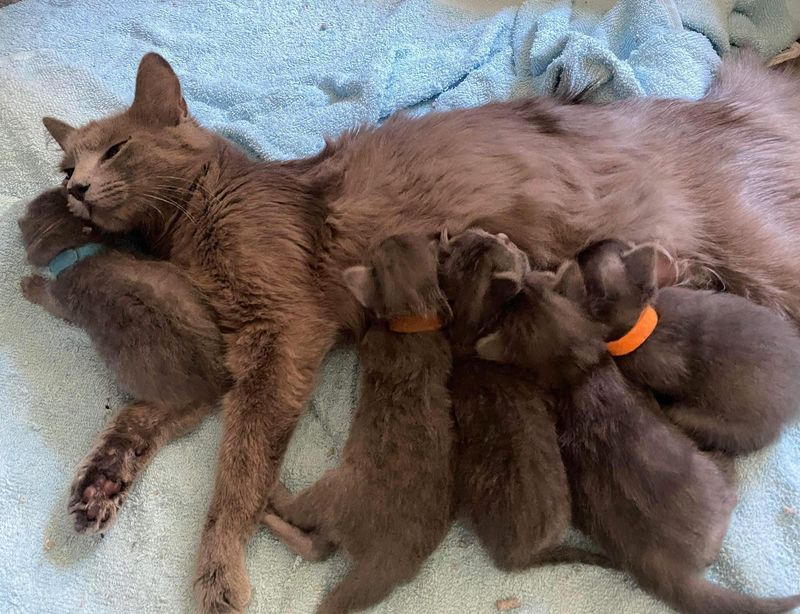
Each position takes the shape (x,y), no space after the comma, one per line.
(113,150)
(67,172)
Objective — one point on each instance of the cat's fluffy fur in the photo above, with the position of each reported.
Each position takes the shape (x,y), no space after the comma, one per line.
(714,180)
(511,487)
(728,367)
(389,503)
(658,506)
(153,329)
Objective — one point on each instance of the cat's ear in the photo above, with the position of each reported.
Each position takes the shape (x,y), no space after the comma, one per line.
(59,130)
(504,286)
(361,283)
(650,266)
(569,282)
(490,347)
(158,99)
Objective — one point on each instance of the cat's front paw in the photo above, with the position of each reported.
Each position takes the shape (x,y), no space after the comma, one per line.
(221,584)
(101,485)
(34,288)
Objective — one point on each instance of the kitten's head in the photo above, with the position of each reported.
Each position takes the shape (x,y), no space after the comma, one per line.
(399,278)
(49,228)
(545,329)
(479,272)
(123,169)
(620,279)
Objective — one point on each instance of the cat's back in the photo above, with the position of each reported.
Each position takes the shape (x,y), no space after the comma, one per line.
(723,327)
(642,475)
(403,418)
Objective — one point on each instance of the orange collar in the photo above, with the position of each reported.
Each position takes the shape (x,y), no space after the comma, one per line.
(415,324)
(636,336)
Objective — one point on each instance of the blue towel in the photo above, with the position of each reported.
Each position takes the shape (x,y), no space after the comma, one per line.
(276,77)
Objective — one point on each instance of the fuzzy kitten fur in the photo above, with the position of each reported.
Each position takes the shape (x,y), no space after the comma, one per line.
(152,328)
(728,366)
(511,487)
(389,503)
(640,488)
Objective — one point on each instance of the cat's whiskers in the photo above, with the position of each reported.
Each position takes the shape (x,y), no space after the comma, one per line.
(170,202)
(43,234)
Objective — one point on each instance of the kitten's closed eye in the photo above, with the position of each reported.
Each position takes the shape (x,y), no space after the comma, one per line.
(113,150)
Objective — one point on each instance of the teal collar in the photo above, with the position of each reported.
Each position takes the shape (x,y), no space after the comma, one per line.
(73,255)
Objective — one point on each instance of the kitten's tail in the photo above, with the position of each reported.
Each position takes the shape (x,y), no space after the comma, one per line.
(696,595)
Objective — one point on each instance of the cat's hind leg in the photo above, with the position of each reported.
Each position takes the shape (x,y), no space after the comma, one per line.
(121,452)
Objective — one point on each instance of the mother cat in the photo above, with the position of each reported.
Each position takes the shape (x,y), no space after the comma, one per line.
(715,181)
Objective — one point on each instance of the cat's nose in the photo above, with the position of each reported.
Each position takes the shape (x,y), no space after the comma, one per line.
(78,190)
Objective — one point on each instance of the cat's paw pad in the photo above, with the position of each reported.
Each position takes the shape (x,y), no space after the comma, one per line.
(95,501)
(33,288)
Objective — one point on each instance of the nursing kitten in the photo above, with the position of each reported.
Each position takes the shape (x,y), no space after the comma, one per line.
(511,487)
(640,488)
(150,326)
(389,503)
(729,366)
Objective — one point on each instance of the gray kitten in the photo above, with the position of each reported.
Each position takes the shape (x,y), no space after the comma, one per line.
(658,506)
(389,503)
(511,486)
(730,366)
(148,323)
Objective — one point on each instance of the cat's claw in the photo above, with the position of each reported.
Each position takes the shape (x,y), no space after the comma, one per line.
(95,501)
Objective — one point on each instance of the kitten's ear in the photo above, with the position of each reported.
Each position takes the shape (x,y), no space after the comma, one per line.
(640,265)
(59,130)
(158,97)
(504,286)
(490,347)
(569,282)
(360,282)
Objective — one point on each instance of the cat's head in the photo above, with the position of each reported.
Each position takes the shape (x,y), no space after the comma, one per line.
(400,278)
(126,168)
(620,279)
(545,328)
(479,272)
(48,228)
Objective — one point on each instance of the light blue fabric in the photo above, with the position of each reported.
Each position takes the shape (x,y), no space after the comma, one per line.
(276,77)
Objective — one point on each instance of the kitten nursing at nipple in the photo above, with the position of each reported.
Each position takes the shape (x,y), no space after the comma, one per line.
(641,489)
(511,487)
(149,324)
(729,367)
(389,504)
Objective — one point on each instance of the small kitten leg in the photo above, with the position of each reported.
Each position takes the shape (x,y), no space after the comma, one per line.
(35,289)
(306,544)
(122,451)
(366,584)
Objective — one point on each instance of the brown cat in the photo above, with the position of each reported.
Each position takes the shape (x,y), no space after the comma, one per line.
(511,486)
(389,503)
(712,180)
(729,366)
(658,506)
(148,323)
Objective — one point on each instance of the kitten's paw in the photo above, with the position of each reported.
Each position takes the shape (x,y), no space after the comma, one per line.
(101,485)
(34,288)
(221,585)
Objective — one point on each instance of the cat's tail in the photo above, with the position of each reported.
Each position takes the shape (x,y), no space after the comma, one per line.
(696,595)
(564,555)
